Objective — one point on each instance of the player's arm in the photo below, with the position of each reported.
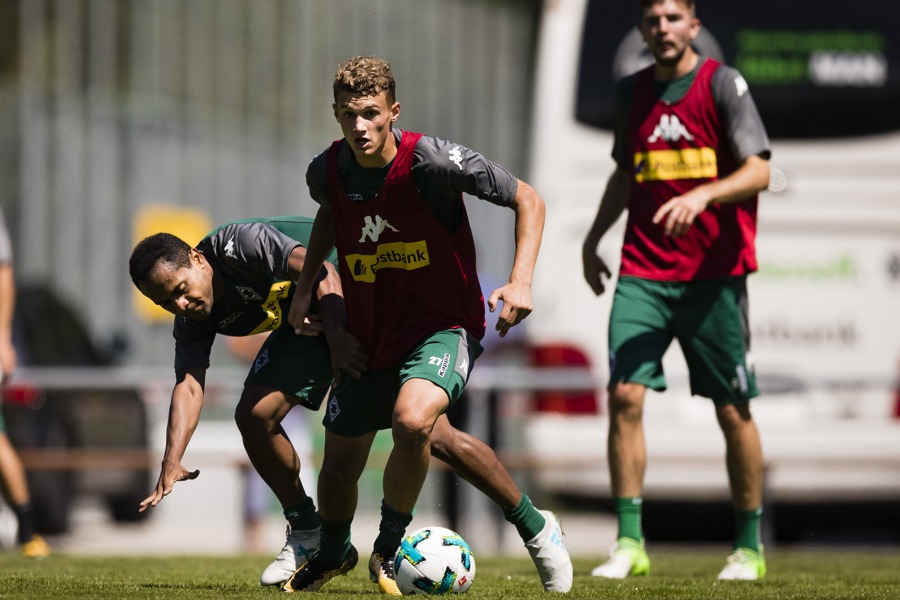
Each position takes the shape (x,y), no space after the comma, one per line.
(450,170)
(7,303)
(184,414)
(321,241)
(746,135)
(529,228)
(612,204)
(328,279)
(347,353)
(678,214)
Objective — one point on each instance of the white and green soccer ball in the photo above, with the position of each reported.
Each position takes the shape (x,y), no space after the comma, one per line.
(434,561)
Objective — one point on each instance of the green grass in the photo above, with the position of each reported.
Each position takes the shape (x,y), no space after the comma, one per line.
(687,574)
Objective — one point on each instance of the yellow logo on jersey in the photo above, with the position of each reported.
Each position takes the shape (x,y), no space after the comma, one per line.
(396,255)
(666,165)
(272,305)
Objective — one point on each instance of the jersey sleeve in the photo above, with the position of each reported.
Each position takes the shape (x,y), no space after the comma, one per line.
(253,247)
(316,179)
(445,168)
(743,125)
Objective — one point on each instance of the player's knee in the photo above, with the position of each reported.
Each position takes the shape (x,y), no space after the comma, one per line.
(626,399)
(338,475)
(412,429)
(247,415)
(733,417)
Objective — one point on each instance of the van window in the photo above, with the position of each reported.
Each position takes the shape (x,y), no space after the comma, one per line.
(823,72)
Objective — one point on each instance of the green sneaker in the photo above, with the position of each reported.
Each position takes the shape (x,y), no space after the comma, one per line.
(626,557)
(744,565)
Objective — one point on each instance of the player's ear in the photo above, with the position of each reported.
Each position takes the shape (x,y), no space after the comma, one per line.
(395,112)
(196,257)
(334,109)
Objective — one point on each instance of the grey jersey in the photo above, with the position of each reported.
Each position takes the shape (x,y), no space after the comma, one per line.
(250,259)
(743,125)
(442,171)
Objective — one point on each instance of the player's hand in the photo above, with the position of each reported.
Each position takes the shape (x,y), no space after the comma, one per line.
(517,305)
(348,355)
(299,311)
(171,473)
(594,270)
(678,214)
(312,326)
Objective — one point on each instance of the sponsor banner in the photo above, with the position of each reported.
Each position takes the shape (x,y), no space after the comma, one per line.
(666,165)
(395,255)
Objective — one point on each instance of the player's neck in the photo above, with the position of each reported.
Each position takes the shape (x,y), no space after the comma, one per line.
(217,283)
(382,157)
(685,64)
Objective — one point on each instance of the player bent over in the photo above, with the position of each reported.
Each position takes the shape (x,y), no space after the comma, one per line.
(238,281)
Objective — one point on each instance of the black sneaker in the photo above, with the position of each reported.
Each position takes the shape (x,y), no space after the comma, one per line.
(381,571)
(311,576)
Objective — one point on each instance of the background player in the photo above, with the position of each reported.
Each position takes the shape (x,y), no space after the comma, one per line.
(692,154)
(12,472)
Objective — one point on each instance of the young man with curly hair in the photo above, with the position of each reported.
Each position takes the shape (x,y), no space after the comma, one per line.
(391,202)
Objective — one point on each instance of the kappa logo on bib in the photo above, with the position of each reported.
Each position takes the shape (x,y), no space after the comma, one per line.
(669,129)
(373,229)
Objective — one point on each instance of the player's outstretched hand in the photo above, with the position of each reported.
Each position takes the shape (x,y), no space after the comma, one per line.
(517,305)
(170,474)
(594,270)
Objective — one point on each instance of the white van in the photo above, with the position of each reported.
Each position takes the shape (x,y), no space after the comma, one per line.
(825,304)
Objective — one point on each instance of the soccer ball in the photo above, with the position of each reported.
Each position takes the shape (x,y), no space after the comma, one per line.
(434,560)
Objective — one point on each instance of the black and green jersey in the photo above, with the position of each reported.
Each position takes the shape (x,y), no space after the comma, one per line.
(253,290)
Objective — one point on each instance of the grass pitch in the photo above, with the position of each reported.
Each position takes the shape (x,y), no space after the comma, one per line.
(681,574)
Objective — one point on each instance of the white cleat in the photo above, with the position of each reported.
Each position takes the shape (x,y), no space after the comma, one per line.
(550,556)
(626,558)
(744,565)
(299,547)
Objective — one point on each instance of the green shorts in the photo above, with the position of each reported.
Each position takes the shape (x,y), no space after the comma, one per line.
(367,404)
(709,319)
(297,365)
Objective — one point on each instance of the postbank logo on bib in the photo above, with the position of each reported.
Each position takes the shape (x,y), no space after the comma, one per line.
(669,164)
(395,255)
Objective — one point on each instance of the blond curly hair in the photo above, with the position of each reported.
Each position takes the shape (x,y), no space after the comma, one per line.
(365,76)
